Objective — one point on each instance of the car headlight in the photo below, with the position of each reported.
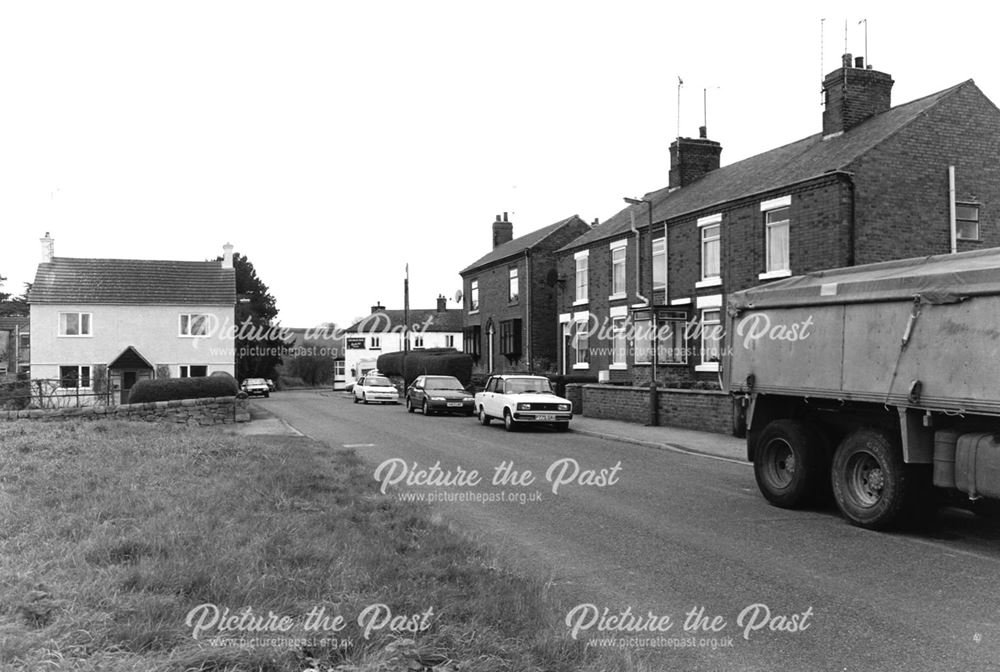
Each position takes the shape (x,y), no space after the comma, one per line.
(563,407)
(524,407)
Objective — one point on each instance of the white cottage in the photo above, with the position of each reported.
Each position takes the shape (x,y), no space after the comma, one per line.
(100,325)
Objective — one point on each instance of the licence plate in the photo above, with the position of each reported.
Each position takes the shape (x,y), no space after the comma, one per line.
(455,403)
(547,416)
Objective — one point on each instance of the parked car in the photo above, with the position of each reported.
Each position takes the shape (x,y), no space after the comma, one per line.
(439,394)
(373,386)
(522,399)
(255,386)
(270,384)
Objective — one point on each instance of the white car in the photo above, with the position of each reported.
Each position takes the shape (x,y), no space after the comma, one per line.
(374,387)
(522,399)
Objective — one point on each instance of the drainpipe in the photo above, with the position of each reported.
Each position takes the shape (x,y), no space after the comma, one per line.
(638,258)
(527,308)
(951,209)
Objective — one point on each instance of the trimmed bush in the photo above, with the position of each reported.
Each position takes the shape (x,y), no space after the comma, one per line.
(559,380)
(168,389)
(433,361)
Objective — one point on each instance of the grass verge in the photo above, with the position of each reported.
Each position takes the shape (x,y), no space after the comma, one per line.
(114,532)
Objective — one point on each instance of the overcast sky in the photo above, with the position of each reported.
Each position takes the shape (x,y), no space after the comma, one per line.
(335,142)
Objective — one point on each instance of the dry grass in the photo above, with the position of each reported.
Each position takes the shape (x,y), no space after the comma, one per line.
(112,533)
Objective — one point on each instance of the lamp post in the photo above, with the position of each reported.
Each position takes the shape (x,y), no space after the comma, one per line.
(654,411)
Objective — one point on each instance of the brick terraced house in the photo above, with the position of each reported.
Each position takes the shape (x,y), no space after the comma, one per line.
(510,298)
(878,183)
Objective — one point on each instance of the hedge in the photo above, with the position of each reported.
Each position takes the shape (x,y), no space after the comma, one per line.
(168,389)
(433,361)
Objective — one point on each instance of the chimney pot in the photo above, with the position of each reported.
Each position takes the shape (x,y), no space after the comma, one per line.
(845,60)
(442,303)
(703,132)
(498,218)
(505,216)
(859,62)
(48,248)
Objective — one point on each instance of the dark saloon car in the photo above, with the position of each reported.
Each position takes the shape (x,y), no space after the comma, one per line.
(439,394)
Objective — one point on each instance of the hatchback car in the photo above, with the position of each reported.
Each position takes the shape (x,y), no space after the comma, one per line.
(374,387)
(439,394)
(256,386)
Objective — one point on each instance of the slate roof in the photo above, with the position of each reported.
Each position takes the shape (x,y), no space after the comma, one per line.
(386,320)
(66,280)
(808,158)
(518,245)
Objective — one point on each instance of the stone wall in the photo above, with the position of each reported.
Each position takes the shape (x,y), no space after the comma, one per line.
(706,410)
(209,411)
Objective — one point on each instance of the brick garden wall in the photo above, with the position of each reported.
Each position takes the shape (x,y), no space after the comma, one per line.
(707,410)
(210,411)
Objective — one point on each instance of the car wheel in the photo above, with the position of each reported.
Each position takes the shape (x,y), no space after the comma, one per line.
(484,419)
(364,398)
(409,405)
(508,421)
(872,486)
(426,410)
(267,395)
(562,426)
(355,398)
(790,464)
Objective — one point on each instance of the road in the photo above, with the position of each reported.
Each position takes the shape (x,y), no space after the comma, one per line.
(668,533)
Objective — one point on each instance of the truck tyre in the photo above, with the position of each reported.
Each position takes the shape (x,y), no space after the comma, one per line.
(872,486)
(739,419)
(790,464)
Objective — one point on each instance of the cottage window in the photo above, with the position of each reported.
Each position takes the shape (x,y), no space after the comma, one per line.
(472,341)
(74,377)
(449,341)
(711,338)
(660,263)
(776,238)
(581,344)
(618,254)
(75,324)
(582,277)
(967,221)
(512,293)
(25,340)
(194,324)
(418,341)
(193,370)
(376,343)
(474,296)
(618,343)
(510,339)
(711,233)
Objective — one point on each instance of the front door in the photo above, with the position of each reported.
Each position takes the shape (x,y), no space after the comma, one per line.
(128,380)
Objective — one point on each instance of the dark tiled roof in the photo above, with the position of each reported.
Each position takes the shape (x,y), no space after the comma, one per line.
(518,245)
(781,167)
(9,323)
(386,320)
(130,359)
(66,280)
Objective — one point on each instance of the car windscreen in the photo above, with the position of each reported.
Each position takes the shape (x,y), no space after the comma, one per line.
(443,383)
(377,381)
(519,385)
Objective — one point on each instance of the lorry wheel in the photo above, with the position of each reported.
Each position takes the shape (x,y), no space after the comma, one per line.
(872,486)
(789,464)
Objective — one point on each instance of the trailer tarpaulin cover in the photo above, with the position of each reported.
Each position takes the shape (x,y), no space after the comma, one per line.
(945,278)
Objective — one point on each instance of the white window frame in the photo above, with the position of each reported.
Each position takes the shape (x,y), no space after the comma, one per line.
(619,248)
(79,325)
(474,296)
(960,220)
(766,208)
(184,330)
(705,225)
(659,283)
(418,341)
(582,277)
(619,343)
(449,340)
(708,307)
(581,318)
(512,285)
(376,343)
(79,377)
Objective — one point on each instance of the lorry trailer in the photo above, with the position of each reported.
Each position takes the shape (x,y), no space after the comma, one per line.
(879,383)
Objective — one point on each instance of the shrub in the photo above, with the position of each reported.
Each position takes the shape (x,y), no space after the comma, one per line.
(168,389)
(559,380)
(433,361)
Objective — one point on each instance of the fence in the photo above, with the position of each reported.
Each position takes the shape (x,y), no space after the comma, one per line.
(51,393)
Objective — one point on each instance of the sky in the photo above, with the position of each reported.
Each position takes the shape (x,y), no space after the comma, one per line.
(334,143)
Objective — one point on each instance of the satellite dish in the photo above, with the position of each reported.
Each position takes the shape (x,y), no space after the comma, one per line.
(458,296)
(552,277)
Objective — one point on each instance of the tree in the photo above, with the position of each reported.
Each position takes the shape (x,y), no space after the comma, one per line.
(258,348)
(17,305)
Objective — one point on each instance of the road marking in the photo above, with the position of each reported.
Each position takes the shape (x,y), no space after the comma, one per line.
(359,445)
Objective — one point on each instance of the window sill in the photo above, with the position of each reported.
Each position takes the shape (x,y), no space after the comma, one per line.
(581,367)
(772,275)
(581,302)
(709,282)
(968,240)
(76,335)
(618,367)
(660,364)
(621,296)
(711,367)
(474,312)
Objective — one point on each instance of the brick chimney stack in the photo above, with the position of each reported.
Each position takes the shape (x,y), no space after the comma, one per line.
(503,231)
(48,248)
(442,303)
(378,307)
(693,158)
(854,94)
